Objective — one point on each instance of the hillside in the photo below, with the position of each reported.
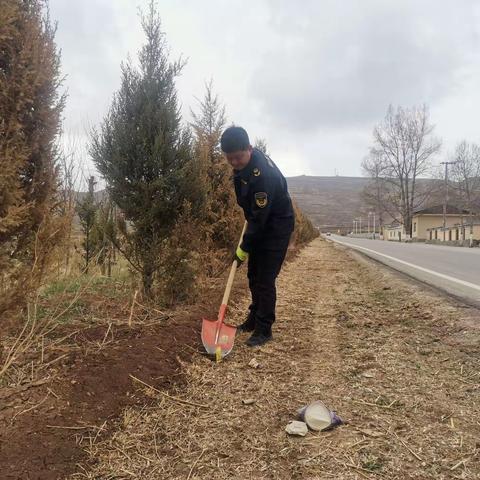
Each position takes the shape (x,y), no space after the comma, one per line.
(329,201)
(333,202)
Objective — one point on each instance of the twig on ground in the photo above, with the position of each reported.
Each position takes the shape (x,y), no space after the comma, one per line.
(16,390)
(408,448)
(54,360)
(31,408)
(52,392)
(131,308)
(195,463)
(166,395)
(106,334)
(461,462)
(98,431)
(86,427)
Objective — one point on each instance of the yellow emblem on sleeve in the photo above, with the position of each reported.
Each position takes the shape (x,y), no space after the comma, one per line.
(261,199)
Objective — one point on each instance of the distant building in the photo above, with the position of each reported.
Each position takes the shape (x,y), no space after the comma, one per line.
(461,234)
(428,219)
(395,232)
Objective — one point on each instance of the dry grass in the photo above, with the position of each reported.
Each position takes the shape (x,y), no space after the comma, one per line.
(73,303)
(400,365)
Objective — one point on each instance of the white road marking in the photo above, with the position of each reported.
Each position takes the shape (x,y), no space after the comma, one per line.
(426,270)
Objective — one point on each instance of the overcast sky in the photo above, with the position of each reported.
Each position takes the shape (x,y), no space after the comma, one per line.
(312,77)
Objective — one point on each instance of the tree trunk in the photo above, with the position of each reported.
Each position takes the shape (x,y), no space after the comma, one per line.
(87,251)
(471,230)
(109,261)
(147,280)
(408,224)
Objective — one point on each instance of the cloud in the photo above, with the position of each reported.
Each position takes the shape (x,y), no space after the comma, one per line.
(311,77)
(338,64)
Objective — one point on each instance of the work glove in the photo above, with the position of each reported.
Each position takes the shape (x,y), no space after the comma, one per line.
(240,256)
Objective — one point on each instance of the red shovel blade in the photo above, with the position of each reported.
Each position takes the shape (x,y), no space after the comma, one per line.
(226,337)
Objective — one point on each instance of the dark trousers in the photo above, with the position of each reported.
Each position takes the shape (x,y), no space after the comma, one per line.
(264,265)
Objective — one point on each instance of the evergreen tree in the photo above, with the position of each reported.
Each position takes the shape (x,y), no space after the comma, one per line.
(86,211)
(145,155)
(30,109)
(221,216)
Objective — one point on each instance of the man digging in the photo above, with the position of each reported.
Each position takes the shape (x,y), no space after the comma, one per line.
(262,192)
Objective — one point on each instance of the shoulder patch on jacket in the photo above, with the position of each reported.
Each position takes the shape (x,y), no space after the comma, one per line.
(261,199)
(256,172)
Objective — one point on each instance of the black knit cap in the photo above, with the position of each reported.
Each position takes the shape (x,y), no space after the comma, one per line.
(234,139)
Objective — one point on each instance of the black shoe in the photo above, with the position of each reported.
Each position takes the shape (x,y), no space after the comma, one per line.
(247,326)
(259,338)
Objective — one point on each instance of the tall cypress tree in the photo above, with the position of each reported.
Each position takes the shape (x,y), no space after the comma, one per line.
(144,154)
(30,109)
(221,215)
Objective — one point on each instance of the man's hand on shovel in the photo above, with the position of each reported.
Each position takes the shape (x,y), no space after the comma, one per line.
(240,256)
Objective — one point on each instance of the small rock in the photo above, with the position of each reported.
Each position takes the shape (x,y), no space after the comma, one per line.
(297,428)
(248,401)
(368,374)
(253,363)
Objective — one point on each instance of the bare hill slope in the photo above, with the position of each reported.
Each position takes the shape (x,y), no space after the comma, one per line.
(328,201)
(333,202)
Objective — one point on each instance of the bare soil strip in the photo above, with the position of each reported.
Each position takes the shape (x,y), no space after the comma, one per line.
(46,424)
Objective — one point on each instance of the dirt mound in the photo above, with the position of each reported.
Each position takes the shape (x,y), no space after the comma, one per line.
(44,429)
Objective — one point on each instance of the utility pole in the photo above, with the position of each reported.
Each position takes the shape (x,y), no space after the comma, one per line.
(371,213)
(445,203)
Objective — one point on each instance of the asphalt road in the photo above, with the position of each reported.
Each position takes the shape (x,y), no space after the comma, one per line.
(453,269)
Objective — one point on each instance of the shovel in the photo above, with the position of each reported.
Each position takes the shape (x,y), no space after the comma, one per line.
(218,337)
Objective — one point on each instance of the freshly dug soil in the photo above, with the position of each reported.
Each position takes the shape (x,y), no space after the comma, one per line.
(46,442)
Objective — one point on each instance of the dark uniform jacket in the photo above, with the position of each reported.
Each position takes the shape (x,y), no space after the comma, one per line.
(262,192)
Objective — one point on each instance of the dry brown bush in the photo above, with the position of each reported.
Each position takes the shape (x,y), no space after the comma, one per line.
(304,230)
(30,108)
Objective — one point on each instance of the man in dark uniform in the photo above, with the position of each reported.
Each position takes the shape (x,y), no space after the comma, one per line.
(261,191)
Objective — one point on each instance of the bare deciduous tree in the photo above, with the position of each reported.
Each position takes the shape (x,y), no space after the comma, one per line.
(402,152)
(466,177)
(376,193)
(70,182)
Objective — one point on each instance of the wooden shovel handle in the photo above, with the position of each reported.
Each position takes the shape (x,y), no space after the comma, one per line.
(233,269)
